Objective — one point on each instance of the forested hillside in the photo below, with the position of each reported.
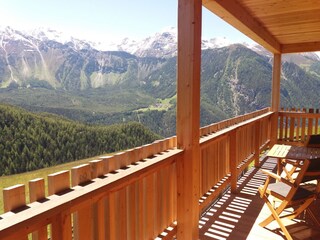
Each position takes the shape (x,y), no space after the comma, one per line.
(29,141)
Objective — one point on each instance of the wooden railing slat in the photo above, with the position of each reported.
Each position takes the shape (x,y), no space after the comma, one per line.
(61,226)
(14,198)
(37,192)
(83,218)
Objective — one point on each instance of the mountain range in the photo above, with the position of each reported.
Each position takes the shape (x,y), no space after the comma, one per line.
(45,70)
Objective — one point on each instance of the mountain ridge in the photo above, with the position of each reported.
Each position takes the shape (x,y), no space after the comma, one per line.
(116,86)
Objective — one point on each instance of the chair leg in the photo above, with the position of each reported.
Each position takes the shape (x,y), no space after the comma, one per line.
(269,219)
(275,215)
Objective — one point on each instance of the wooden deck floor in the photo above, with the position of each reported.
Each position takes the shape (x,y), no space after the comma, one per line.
(236,216)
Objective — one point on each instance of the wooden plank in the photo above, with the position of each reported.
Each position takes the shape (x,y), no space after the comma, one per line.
(97,168)
(150,207)
(148,151)
(257,144)
(301,47)
(106,161)
(83,218)
(233,160)
(100,230)
(113,219)
(132,212)
(58,182)
(157,204)
(298,130)
(286,126)
(122,214)
(36,193)
(139,153)
(121,159)
(141,209)
(292,128)
(316,123)
(303,129)
(281,123)
(310,123)
(14,197)
(61,226)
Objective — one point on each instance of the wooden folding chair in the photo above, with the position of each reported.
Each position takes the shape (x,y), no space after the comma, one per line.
(290,193)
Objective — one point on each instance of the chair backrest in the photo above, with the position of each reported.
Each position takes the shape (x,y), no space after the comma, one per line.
(313,170)
(313,141)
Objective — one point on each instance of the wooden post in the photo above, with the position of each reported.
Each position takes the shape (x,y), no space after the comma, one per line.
(37,192)
(188,117)
(275,97)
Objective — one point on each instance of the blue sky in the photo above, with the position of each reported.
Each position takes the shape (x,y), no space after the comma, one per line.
(106,20)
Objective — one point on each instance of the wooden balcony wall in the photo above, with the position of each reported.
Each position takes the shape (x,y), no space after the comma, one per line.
(295,124)
(227,148)
(133,194)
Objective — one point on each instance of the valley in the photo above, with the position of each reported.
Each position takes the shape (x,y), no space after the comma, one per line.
(137,80)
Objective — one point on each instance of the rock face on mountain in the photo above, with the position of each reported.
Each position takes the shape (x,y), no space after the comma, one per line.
(46,71)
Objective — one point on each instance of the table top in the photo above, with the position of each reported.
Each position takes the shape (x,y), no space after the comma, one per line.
(293,152)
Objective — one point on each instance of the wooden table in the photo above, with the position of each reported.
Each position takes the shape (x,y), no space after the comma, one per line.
(293,152)
(281,151)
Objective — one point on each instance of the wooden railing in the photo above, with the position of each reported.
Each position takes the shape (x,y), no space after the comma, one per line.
(132,195)
(228,149)
(296,124)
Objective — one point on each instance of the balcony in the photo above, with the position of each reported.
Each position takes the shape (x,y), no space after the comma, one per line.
(133,194)
(166,189)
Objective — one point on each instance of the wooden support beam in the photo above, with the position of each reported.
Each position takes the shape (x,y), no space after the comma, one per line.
(276,76)
(233,13)
(188,117)
(275,97)
(300,47)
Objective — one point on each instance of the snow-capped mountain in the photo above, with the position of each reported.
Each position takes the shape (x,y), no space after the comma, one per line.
(164,44)
(41,34)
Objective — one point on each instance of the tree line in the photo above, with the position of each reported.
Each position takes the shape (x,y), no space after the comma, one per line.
(31,141)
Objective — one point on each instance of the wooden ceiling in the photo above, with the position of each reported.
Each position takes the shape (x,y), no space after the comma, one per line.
(281,26)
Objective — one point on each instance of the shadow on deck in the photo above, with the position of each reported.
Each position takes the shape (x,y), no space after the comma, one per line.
(237,216)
